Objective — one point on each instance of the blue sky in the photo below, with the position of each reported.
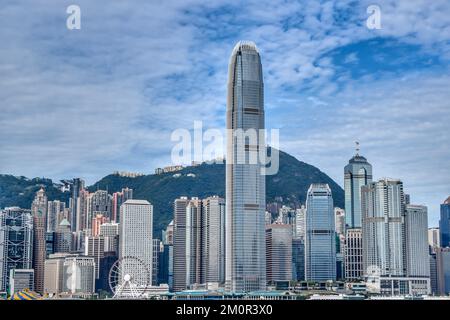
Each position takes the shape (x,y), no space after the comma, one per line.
(107,97)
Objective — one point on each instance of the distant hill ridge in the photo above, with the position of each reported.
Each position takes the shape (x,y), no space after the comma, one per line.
(288,186)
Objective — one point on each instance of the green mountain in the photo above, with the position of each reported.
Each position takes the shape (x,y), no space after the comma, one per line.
(288,186)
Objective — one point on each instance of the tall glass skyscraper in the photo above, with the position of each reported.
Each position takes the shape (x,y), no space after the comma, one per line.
(245,185)
(320,240)
(16,242)
(357,173)
(383,208)
(444,224)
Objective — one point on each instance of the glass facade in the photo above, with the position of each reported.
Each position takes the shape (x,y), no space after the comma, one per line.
(320,244)
(383,207)
(16,242)
(444,224)
(357,173)
(245,185)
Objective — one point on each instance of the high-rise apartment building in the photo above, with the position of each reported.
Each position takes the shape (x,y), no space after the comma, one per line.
(320,240)
(245,181)
(76,185)
(383,210)
(118,198)
(54,212)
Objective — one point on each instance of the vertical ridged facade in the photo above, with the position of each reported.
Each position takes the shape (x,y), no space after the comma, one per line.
(245,185)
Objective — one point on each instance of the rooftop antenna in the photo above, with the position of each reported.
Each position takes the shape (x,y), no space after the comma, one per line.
(357,148)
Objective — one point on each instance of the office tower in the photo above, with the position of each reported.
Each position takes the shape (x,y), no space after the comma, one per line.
(106,263)
(21,279)
(171,267)
(443,270)
(39,212)
(50,243)
(168,234)
(79,276)
(383,227)
(353,255)
(97,221)
(194,242)
(118,198)
(136,236)
(339,220)
(279,252)
(180,279)
(110,231)
(444,224)
(95,247)
(433,273)
(357,173)
(156,252)
(76,186)
(298,259)
(416,237)
(16,242)
(63,237)
(54,274)
(214,239)
(300,222)
(164,259)
(245,181)
(434,237)
(320,241)
(54,210)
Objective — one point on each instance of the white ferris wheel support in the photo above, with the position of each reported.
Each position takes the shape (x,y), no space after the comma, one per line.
(129,278)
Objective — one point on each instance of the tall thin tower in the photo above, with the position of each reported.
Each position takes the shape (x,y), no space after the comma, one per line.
(245,185)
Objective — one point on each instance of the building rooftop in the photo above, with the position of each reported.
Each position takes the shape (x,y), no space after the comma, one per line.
(447,201)
(65,222)
(134,201)
(244,45)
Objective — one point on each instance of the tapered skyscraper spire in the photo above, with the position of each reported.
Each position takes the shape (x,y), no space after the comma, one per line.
(245,185)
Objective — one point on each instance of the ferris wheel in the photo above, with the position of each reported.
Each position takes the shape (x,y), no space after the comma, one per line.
(129,278)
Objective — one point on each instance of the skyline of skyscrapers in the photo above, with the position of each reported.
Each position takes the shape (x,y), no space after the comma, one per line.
(233,244)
